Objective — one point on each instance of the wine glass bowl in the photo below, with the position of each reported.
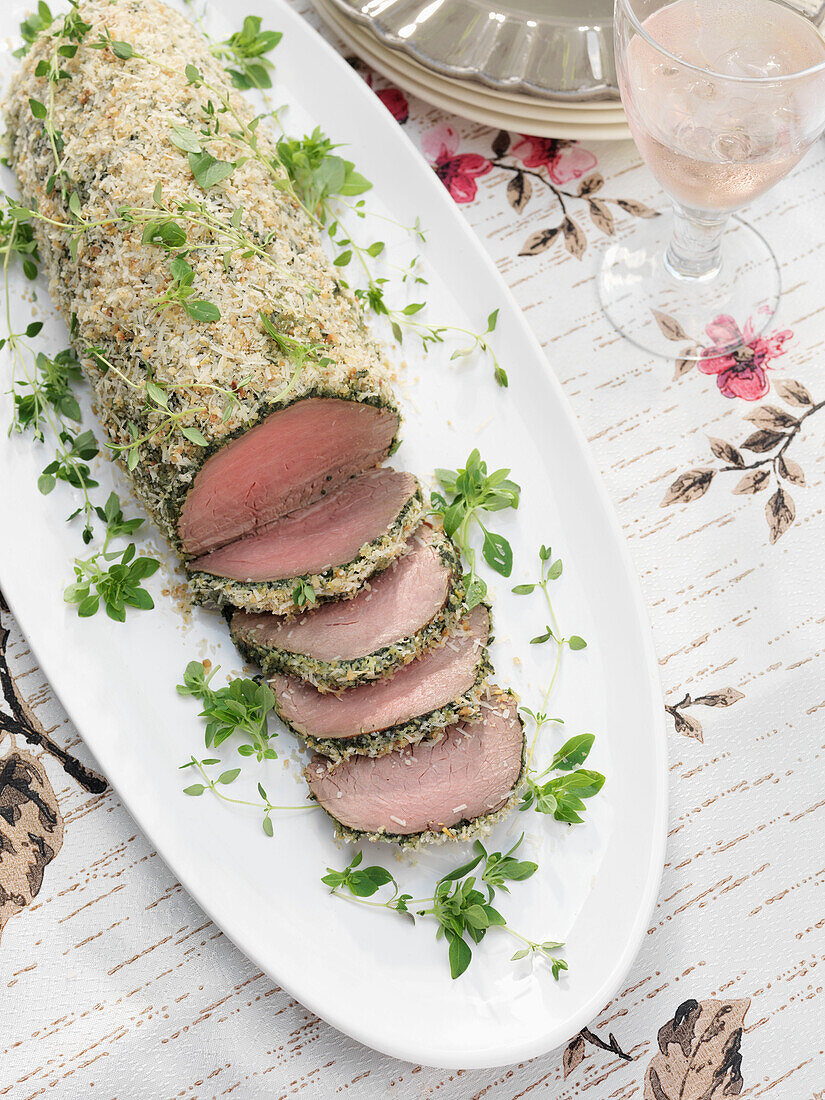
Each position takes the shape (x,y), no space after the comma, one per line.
(723,98)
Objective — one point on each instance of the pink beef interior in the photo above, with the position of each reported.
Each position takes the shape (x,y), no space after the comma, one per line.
(468,773)
(425,684)
(328,533)
(280,465)
(394,605)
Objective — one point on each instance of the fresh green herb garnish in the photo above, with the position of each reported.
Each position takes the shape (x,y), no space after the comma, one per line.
(181,291)
(243,54)
(297,351)
(461,904)
(157,398)
(473,492)
(317,173)
(242,707)
(227,777)
(303,594)
(561,796)
(114,576)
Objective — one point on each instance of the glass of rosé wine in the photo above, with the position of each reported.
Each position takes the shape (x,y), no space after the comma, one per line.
(724,98)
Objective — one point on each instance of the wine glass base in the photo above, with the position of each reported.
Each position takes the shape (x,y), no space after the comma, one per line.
(666,315)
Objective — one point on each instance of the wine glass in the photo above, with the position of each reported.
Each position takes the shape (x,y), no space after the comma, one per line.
(724,98)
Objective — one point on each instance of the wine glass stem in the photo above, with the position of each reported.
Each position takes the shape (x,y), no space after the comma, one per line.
(695,250)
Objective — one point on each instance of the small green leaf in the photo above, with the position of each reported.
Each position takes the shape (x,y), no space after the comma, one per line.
(200,310)
(122,50)
(523,589)
(575,642)
(38,109)
(229,776)
(460,956)
(185,139)
(207,170)
(195,789)
(573,752)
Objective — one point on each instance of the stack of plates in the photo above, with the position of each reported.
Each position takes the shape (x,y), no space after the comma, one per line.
(543,67)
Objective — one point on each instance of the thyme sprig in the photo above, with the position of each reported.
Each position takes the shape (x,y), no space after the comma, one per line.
(114,576)
(243,54)
(323,180)
(181,293)
(42,395)
(460,905)
(296,351)
(473,493)
(241,707)
(562,796)
(157,398)
(66,33)
(229,776)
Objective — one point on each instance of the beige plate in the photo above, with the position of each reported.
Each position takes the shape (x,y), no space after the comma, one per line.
(489,109)
(548,49)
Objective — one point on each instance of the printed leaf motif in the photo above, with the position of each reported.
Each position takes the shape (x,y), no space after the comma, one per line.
(753,482)
(687,725)
(501,143)
(699,1053)
(671,329)
(573,1055)
(790,470)
(726,452)
(602,216)
(780,512)
(793,392)
(590,185)
(519,191)
(638,209)
(539,242)
(771,417)
(763,440)
(574,239)
(688,486)
(31,831)
(686,361)
(725,697)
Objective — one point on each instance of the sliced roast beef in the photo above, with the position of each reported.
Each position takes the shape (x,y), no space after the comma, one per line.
(398,615)
(414,703)
(331,547)
(282,464)
(459,783)
(329,532)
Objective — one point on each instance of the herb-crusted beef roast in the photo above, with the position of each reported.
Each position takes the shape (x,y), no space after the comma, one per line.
(255,256)
(398,615)
(455,787)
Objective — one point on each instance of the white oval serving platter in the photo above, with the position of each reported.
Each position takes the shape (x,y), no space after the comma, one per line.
(366,971)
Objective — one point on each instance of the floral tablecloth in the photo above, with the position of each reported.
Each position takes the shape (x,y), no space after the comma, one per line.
(115,984)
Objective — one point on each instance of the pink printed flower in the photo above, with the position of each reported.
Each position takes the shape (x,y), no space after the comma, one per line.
(396,103)
(564,160)
(458,172)
(741,373)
